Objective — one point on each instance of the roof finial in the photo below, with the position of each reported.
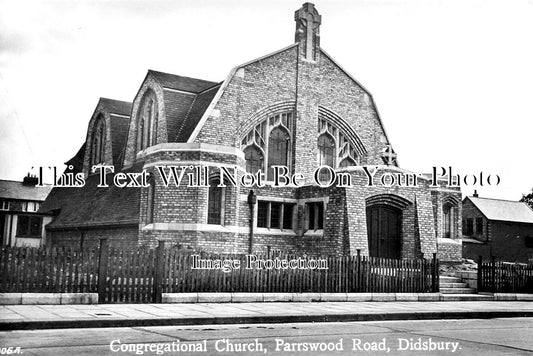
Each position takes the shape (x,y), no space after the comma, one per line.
(307,29)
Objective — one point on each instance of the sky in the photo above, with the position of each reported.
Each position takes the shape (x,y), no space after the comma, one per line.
(452,80)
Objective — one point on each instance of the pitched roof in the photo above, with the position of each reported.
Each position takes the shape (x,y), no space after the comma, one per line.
(198,107)
(186,99)
(178,82)
(119,136)
(503,210)
(119,124)
(117,106)
(90,206)
(177,106)
(77,160)
(10,189)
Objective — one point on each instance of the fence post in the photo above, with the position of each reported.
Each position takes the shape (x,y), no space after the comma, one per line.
(480,273)
(358,266)
(102,269)
(434,275)
(493,273)
(159,271)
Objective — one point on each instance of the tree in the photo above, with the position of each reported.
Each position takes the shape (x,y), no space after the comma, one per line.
(528,199)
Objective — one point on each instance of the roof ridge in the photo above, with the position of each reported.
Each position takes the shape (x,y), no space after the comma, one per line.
(210,88)
(507,200)
(178,75)
(122,101)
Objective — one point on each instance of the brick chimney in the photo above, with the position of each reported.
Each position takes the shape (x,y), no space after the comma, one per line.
(307,30)
(30,180)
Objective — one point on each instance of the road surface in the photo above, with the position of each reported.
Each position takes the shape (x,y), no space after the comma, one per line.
(513,336)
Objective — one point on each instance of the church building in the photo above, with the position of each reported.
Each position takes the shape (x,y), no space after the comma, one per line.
(296,108)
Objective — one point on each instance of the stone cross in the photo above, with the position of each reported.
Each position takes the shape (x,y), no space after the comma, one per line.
(307,29)
(388,155)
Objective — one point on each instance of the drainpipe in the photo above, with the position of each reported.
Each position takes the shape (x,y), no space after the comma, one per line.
(252,200)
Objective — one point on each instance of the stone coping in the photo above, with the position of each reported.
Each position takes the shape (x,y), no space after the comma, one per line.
(332,297)
(92,298)
(48,298)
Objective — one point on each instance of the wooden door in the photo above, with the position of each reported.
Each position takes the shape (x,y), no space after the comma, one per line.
(384,231)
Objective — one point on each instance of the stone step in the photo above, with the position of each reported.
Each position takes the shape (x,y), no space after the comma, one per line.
(456,290)
(448,279)
(464,297)
(453,285)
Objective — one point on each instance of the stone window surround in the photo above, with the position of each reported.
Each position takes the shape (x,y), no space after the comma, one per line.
(98,142)
(299,203)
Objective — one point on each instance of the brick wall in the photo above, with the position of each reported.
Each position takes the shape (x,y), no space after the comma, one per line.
(507,243)
(123,237)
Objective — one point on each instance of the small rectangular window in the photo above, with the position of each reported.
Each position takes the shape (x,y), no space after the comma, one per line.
(479,226)
(29,226)
(287,216)
(469,227)
(315,215)
(275,215)
(262,214)
(4,205)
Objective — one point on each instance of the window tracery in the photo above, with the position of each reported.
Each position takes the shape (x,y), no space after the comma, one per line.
(269,143)
(334,148)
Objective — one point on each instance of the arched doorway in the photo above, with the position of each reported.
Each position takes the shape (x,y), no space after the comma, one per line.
(384,226)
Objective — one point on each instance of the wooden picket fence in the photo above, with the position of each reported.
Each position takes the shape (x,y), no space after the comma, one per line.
(141,275)
(504,277)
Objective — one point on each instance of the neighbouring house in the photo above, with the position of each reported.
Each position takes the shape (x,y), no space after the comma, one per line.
(296,107)
(499,228)
(20,222)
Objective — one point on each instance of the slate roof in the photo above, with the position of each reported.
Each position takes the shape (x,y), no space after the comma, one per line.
(119,136)
(178,82)
(15,190)
(503,210)
(186,100)
(77,160)
(117,106)
(90,206)
(197,110)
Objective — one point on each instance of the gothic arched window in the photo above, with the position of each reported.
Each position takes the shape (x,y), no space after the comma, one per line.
(215,203)
(98,142)
(334,148)
(254,159)
(278,149)
(147,121)
(449,220)
(269,144)
(326,150)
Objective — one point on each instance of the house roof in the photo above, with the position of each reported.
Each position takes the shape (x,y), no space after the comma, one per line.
(90,206)
(10,189)
(503,210)
(178,82)
(117,106)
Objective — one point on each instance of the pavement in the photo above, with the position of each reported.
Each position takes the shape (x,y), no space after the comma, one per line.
(24,317)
